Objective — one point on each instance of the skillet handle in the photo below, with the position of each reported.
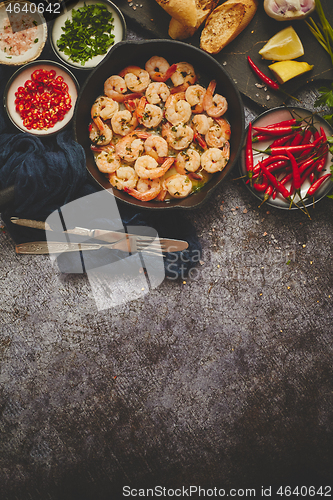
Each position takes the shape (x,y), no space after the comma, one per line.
(6,196)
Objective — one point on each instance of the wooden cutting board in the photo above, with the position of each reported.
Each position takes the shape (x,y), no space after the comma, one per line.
(150,16)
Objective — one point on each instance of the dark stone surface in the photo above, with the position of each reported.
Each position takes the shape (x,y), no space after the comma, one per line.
(223,379)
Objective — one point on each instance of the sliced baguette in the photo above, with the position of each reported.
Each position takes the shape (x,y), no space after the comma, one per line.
(178,31)
(183,10)
(225,23)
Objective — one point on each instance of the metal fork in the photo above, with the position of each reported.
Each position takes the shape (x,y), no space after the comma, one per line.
(138,244)
(128,244)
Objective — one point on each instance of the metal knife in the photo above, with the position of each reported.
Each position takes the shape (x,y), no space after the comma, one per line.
(169,245)
(101,234)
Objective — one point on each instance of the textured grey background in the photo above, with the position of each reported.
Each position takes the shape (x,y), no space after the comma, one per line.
(223,379)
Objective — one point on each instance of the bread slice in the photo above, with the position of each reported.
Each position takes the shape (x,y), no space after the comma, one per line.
(178,31)
(225,23)
(183,10)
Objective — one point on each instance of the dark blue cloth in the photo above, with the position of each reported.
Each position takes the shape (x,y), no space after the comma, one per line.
(49,172)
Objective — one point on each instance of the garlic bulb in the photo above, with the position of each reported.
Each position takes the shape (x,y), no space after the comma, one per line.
(288,10)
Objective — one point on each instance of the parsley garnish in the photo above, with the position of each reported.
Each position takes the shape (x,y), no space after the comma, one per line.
(88,34)
(326,99)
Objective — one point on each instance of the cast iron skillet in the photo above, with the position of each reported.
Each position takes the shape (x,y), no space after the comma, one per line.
(137,53)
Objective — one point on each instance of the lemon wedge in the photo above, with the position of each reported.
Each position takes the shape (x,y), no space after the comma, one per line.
(285,70)
(285,45)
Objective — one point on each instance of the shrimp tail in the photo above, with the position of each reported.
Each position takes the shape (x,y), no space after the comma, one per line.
(163,77)
(129,69)
(131,100)
(162,194)
(197,137)
(116,96)
(99,123)
(195,176)
(168,162)
(140,108)
(147,196)
(180,88)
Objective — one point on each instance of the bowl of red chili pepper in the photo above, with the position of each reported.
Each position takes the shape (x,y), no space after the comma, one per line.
(40,98)
(286,158)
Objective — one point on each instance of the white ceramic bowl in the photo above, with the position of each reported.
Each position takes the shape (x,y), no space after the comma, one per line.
(276,115)
(21,76)
(41,33)
(56,32)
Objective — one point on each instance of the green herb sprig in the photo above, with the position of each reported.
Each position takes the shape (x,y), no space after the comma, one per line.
(322,31)
(88,34)
(326,99)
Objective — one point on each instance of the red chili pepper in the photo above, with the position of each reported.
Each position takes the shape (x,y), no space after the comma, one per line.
(249,153)
(286,178)
(261,186)
(316,134)
(282,130)
(292,121)
(261,137)
(272,167)
(280,187)
(322,162)
(311,177)
(283,181)
(283,141)
(306,136)
(309,171)
(264,78)
(267,194)
(267,161)
(323,151)
(256,173)
(303,165)
(297,139)
(292,149)
(296,174)
(43,97)
(316,185)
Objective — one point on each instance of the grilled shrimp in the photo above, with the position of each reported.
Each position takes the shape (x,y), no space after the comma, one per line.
(177,136)
(178,186)
(214,159)
(194,95)
(104,107)
(184,75)
(157,92)
(214,105)
(124,177)
(159,69)
(123,122)
(115,87)
(156,146)
(188,160)
(149,115)
(130,147)
(218,133)
(201,123)
(106,160)
(136,79)
(177,110)
(99,132)
(145,190)
(147,167)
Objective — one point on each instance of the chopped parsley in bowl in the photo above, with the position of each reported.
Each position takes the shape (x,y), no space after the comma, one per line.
(83,35)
